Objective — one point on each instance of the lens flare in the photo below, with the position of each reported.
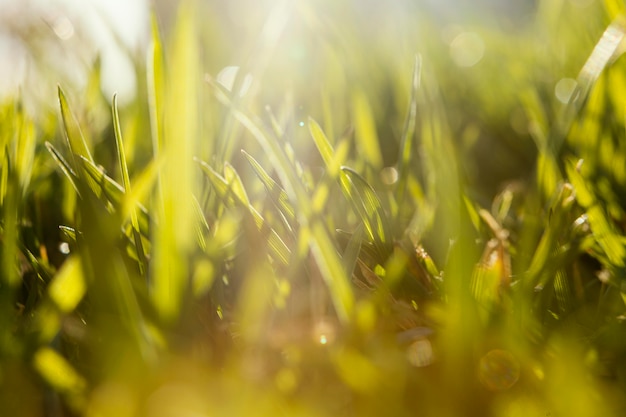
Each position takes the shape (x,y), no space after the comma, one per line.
(498,370)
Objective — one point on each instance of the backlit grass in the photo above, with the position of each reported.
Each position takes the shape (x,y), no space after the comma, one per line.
(423,219)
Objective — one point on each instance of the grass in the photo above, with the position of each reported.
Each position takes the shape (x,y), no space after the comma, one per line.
(366,228)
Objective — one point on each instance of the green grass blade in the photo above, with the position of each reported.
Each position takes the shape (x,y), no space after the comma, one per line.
(608,48)
(603,229)
(276,192)
(366,203)
(202,228)
(68,286)
(333,160)
(365,130)
(548,243)
(408,132)
(69,233)
(10,236)
(319,240)
(174,238)
(72,130)
(155,78)
(106,187)
(58,373)
(25,150)
(219,184)
(352,251)
(235,185)
(119,142)
(62,163)
(224,189)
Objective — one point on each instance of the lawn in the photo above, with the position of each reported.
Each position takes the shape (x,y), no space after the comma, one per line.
(322,208)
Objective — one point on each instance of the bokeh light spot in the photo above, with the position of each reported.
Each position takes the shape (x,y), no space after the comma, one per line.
(498,370)
(63,28)
(467,49)
(64,248)
(389,175)
(564,89)
(324,332)
(420,353)
(286,380)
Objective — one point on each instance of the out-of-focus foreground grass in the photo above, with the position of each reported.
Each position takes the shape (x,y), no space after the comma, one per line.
(326,208)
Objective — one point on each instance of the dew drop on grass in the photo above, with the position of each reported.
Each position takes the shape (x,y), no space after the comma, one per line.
(498,370)
(301,124)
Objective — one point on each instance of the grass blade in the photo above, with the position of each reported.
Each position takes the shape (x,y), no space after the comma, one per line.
(224,189)
(73,133)
(106,187)
(352,251)
(603,229)
(319,240)
(606,50)
(408,132)
(365,130)
(276,192)
(155,73)
(370,210)
(126,181)
(62,163)
(61,375)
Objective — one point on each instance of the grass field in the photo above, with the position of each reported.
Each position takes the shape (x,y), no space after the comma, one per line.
(324,208)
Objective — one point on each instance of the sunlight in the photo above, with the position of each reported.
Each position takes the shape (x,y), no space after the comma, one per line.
(60,40)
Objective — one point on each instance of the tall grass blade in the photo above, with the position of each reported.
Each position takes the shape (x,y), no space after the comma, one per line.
(333,160)
(277,194)
(408,132)
(65,167)
(612,243)
(352,251)
(606,50)
(73,133)
(365,130)
(127,189)
(106,187)
(366,203)
(56,371)
(156,86)
(9,244)
(234,195)
(319,240)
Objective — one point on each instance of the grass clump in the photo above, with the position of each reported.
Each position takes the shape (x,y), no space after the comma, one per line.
(342,225)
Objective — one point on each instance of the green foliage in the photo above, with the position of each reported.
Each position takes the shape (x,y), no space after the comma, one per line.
(399,234)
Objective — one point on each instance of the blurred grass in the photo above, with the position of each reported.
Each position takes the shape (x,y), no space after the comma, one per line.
(423,218)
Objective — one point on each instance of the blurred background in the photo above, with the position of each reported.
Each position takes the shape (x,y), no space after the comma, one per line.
(483,55)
